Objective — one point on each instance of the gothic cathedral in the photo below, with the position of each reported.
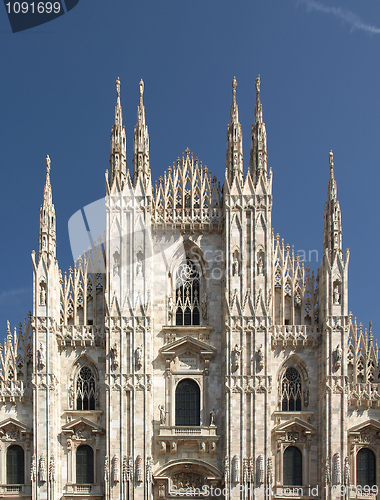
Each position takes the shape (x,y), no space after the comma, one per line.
(189,352)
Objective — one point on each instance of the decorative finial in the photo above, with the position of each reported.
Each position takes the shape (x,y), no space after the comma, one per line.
(258,86)
(48,162)
(331,159)
(118,87)
(234,85)
(141,87)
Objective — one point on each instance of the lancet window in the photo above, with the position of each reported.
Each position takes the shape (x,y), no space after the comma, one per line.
(365,467)
(85,389)
(187,294)
(15,465)
(187,403)
(291,390)
(292,466)
(85,465)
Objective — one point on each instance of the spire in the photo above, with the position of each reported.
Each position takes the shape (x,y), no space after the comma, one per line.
(118,158)
(141,162)
(234,158)
(259,156)
(332,234)
(47,236)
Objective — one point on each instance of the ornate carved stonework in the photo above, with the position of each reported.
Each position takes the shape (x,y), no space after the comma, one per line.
(187,480)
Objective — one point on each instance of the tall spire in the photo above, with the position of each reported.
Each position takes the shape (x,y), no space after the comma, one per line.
(118,158)
(141,162)
(332,234)
(259,156)
(234,158)
(47,235)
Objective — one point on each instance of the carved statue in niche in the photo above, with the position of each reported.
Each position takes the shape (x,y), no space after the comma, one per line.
(235,265)
(139,264)
(116,263)
(162,414)
(149,469)
(337,357)
(106,468)
(235,358)
(114,353)
(33,470)
(42,293)
(116,469)
(337,469)
(52,470)
(170,307)
(212,417)
(347,475)
(336,294)
(42,469)
(139,469)
(226,469)
(260,469)
(327,471)
(204,306)
(306,397)
(235,470)
(260,357)
(260,264)
(41,358)
(138,357)
(269,471)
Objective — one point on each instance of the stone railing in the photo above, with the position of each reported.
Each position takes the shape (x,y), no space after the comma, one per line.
(14,390)
(364,395)
(83,335)
(205,436)
(295,335)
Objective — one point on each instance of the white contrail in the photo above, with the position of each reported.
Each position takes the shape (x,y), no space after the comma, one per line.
(346,15)
(12,294)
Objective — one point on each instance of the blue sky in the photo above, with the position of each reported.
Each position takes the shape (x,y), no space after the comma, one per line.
(320,81)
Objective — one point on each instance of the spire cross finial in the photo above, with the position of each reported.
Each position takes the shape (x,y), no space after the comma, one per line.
(234,85)
(48,162)
(258,87)
(331,160)
(118,87)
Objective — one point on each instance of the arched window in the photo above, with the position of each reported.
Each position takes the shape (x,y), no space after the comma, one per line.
(365,467)
(85,465)
(292,466)
(85,389)
(15,465)
(291,390)
(187,403)
(187,294)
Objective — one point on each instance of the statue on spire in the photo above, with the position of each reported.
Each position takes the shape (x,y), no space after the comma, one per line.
(48,162)
(141,87)
(234,85)
(258,87)
(118,87)
(331,160)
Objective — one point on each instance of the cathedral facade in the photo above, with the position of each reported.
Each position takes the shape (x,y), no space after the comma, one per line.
(189,352)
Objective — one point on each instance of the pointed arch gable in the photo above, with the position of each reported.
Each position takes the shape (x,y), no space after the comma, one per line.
(297,362)
(173,466)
